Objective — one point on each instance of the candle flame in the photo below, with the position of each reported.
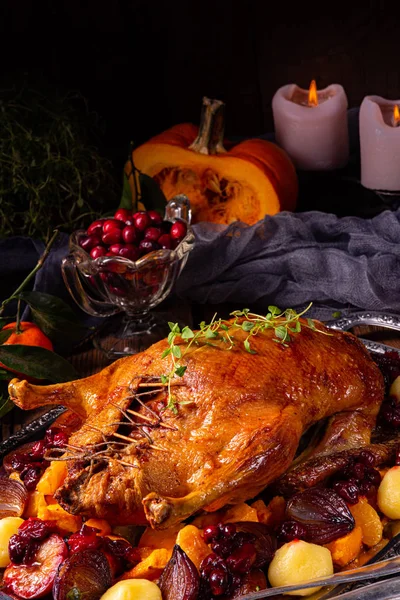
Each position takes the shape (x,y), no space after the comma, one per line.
(312,94)
(396,116)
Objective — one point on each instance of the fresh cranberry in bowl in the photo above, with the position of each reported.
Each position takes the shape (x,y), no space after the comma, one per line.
(144,261)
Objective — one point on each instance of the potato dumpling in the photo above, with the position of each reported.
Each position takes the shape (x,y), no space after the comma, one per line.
(389,493)
(133,589)
(8,526)
(395,388)
(298,562)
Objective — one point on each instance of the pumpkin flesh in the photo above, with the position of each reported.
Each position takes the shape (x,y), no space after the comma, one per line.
(252,179)
(221,188)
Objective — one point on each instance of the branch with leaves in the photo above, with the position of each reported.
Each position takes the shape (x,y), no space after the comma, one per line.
(285,325)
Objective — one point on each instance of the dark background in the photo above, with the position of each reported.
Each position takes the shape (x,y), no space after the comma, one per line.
(145,64)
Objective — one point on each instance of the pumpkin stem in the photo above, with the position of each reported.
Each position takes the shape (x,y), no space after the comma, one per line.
(211,130)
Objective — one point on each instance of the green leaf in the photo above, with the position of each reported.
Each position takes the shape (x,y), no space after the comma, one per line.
(5,406)
(180,371)
(126,198)
(166,352)
(202,325)
(187,333)
(176,351)
(247,326)
(164,379)
(54,317)
(151,194)
(5,375)
(4,335)
(274,310)
(210,334)
(224,327)
(281,332)
(247,347)
(311,323)
(37,362)
(174,327)
(171,337)
(337,314)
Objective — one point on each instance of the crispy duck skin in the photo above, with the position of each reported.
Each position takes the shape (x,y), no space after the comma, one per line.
(238,422)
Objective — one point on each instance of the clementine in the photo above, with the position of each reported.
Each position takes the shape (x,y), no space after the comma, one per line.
(30,335)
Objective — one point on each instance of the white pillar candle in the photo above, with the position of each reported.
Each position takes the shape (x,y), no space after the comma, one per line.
(380,144)
(311,126)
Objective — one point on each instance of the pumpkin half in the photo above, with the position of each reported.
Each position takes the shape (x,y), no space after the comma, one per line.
(252,179)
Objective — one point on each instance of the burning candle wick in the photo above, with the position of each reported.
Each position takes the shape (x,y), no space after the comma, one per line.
(312,94)
(396,116)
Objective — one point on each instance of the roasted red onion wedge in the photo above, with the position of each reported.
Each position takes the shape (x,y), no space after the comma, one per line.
(264,542)
(36,580)
(323,512)
(13,498)
(86,574)
(180,578)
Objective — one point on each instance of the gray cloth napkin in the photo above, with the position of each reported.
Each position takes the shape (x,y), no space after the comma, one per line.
(292,259)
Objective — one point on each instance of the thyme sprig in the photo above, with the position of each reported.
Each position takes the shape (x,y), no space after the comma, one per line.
(285,323)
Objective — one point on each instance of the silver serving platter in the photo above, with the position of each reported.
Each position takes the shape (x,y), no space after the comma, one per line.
(370,589)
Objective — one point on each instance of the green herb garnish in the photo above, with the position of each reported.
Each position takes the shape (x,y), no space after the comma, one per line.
(220,331)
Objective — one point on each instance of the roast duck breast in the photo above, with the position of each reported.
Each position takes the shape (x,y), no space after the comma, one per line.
(233,428)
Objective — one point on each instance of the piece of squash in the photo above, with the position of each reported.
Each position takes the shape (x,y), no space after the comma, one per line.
(346,548)
(368,519)
(160,538)
(190,539)
(240,512)
(150,567)
(52,478)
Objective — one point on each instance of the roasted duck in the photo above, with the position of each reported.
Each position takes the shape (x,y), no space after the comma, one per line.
(234,428)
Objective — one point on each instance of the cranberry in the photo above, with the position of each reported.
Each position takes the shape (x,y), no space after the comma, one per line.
(112,225)
(155,217)
(347,490)
(211,534)
(55,438)
(130,251)
(19,461)
(117,291)
(122,214)
(36,529)
(84,538)
(96,228)
(367,458)
(165,241)
(30,476)
(373,476)
(122,550)
(178,230)
(141,220)
(97,251)
(115,248)
(227,530)
(208,563)
(219,581)
(147,246)
(129,234)
(38,450)
(358,470)
(242,559)
(223,547)
(21,551)
(291,530)
(112,237)
(152,233)
(90,241)
(366,488)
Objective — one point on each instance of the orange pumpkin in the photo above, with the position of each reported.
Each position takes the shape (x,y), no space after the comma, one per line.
(253,179)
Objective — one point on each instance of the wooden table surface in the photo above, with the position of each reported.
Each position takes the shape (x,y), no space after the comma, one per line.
(87,360)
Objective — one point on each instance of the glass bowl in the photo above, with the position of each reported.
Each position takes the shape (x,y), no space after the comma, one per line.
(113,285)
